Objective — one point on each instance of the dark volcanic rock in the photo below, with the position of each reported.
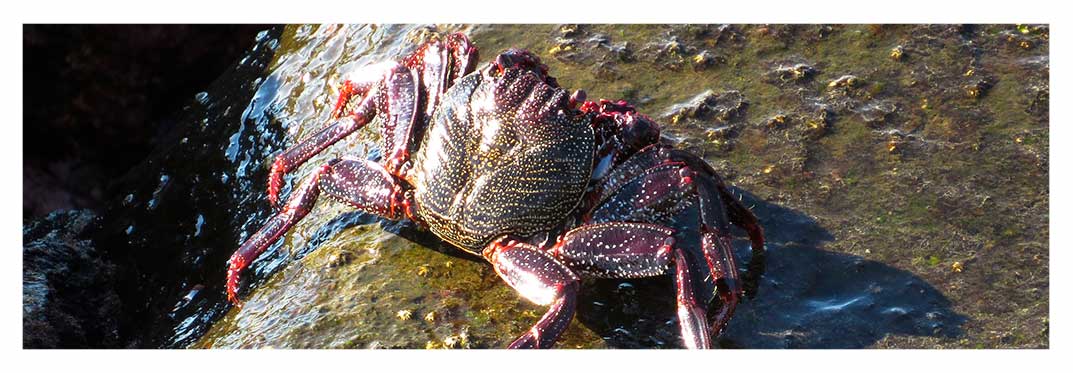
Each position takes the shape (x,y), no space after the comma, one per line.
(68,296)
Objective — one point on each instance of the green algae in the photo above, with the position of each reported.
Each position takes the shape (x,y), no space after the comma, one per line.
(945,177)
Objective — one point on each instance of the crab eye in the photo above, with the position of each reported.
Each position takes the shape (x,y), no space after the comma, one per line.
(637,131)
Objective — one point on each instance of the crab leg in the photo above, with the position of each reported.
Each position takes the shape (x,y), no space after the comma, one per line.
(398,92)
(541,279)
(632,250)
(718,208)
(692,315)
(362,184)
(396,98)
(642,188)
(741,216)
(719,254)
(307,148)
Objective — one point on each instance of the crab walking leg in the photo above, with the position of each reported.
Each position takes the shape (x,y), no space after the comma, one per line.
(299,154)
(396,99)
(632,250)
(692,315)
(297,207)
(541,279)
(716,212)
(741,216)
(362,184)
(719,254)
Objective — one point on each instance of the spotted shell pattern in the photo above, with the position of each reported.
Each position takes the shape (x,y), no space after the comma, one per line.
(502,155)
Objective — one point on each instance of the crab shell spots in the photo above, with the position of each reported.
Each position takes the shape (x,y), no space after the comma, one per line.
(618,250)
(501,156)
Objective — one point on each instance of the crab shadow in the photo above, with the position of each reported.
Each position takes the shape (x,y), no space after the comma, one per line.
(808,297)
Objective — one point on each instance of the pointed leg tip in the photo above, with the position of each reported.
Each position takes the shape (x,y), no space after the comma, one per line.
(232,292)
(234,269)
(233,298)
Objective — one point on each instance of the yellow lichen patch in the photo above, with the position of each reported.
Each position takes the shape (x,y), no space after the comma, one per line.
(556,50)
(814,124)
(973,91)
(673,48)
(777,121)
(698,59)
(718,137)
(897,53)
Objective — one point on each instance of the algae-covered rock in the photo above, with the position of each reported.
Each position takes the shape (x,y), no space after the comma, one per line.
(862,236)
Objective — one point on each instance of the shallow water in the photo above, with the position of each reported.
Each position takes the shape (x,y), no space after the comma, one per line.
(904,194)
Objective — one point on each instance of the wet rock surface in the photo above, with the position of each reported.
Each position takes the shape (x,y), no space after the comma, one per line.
(901,211)
(839,160)
(97,96)
(68,292)
(170,228)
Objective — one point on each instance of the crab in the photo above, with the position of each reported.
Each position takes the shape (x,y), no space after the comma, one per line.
(549,188)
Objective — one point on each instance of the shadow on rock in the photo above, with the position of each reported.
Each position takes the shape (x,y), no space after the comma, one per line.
(808,298)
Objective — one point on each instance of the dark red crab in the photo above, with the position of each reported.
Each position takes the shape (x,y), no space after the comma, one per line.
(503,163)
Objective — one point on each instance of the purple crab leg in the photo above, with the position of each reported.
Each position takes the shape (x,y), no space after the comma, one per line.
(617,249)
(692,315)
(541,279)
(362,184)
(742,217)
(395,98)
(401,105)
(718,209)
(645,187)
(295,156)
(404,95)
(633,250)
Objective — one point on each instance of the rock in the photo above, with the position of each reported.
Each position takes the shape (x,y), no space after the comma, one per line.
(876,112)
(791,72)
(845,81)
(709,105)
(978,87)
(706,59)
(68,295)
